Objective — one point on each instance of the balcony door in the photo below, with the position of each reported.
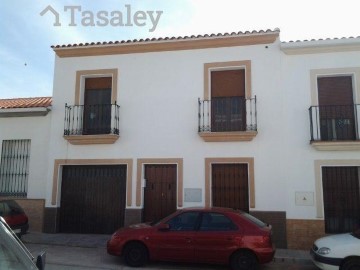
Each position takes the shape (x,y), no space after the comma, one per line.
(336,108)
(228,110)
(97,106)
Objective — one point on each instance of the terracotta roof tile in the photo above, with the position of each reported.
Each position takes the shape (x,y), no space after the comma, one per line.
(136,41)
(320,39)
(25,102)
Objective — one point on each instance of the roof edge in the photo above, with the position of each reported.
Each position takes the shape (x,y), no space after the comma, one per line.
(26,102)
(24,112)
(321,46)
(167,44)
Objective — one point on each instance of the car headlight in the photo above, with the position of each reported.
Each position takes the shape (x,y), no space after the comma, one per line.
(324,251)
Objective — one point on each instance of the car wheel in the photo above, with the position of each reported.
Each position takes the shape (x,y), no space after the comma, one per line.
(135,254)
(242,260)
(351,264)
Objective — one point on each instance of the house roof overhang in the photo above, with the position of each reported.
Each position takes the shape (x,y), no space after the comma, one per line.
(167,44)
(24,112)
(321,46)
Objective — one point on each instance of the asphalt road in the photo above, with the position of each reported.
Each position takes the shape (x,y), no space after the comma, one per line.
(79,258)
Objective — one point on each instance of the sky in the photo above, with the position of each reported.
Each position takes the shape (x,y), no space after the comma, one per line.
(28,30)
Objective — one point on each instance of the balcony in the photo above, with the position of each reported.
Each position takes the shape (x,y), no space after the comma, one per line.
(91,124)
(335,127)
(227,119)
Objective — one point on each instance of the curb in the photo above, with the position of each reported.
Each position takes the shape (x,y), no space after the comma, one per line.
(293,260)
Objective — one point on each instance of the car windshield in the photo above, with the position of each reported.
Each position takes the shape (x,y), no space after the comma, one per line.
(253,219)
(12,255)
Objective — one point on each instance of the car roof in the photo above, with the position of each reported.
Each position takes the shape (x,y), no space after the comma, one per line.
(210,209)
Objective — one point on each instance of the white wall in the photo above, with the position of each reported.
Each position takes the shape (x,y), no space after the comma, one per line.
(299,171)
(35,129)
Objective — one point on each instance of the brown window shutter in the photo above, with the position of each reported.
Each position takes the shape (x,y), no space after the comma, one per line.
(335,90)
(98,83)
(228,83)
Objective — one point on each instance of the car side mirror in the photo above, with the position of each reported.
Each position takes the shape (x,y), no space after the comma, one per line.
(164,227)
(40,261)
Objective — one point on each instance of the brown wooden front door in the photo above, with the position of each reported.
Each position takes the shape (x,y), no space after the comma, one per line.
(341,198)
(92,198)
(160,191)
(230,186)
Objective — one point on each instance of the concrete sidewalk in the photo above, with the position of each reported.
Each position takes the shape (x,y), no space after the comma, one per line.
(99,241)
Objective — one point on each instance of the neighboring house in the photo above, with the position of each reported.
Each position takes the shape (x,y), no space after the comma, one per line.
(24,138)
(141,128)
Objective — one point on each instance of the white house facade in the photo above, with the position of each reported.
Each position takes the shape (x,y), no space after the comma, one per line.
(141,128)
(24,138)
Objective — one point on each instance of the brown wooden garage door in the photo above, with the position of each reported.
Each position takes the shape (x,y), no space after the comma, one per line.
(92,199)
(230,186)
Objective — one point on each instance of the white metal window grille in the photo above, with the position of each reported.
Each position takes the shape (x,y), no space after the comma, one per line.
(14,168)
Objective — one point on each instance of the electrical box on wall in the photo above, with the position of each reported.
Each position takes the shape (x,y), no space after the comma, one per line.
(193,194)
(304,198)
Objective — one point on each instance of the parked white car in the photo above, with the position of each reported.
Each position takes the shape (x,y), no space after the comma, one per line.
(13,253)
(337,252)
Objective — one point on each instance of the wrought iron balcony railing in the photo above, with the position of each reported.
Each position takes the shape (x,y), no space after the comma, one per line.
(334,123)
(91,119)
(222,114)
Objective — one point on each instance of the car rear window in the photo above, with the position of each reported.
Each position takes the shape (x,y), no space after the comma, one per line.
(254,220)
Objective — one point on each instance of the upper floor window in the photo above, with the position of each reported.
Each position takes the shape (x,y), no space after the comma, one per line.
(97,105)
(334,123)
(228,106)
(228,100)
(336,108)
(14,168)
(95,111)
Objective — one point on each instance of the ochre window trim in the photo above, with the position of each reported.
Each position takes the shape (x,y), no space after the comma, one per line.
(57,177)
(314,74)
(92,139)
(82,74)
(208,67)
(231,65)
(140,167)
(240,160)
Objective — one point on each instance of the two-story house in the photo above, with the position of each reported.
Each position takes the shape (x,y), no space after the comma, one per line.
(141,128)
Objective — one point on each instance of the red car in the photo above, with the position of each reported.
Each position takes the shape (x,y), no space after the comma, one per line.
(197,235)
(15,216)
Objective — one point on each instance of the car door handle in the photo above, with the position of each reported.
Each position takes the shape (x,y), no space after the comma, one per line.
(188,240)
